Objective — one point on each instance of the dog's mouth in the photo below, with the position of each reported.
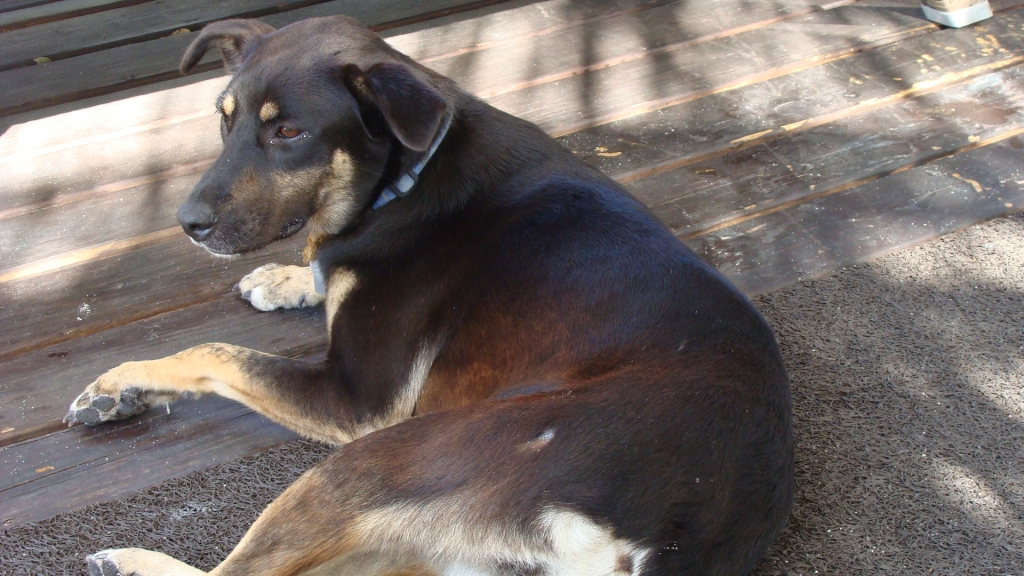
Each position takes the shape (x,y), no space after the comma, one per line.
(293,226)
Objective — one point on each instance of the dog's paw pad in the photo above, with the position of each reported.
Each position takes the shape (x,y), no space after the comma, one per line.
(92,409)
(101,564)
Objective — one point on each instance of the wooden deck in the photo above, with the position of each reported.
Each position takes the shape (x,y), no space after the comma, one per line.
(780,139)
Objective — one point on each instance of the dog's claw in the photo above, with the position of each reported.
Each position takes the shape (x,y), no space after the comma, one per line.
(237,287)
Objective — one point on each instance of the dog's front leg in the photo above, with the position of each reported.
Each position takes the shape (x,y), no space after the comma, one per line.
(294,393)
(136,562)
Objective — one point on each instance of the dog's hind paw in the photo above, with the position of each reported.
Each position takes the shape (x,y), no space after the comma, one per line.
(137,562)
(274,286)
(102,564)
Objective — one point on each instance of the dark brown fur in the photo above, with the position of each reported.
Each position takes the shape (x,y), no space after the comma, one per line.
(589,394)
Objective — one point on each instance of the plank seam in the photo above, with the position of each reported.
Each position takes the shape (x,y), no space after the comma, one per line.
(156,35)
(121,246)
(798,66)
(929,159)
(917,89)
(551,78)
(29,22)
(547,31)
(230,413)
(610,62)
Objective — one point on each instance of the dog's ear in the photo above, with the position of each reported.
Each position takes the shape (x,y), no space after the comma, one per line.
(231,37)
(411,109)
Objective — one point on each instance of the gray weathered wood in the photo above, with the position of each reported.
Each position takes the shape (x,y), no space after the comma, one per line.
(61,10)
(862,223)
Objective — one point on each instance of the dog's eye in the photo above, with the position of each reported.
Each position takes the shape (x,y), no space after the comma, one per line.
(288,132)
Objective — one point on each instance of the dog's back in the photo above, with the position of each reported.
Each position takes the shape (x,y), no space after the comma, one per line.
(604,368)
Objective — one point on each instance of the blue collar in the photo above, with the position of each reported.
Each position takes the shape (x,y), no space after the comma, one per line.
(401,187)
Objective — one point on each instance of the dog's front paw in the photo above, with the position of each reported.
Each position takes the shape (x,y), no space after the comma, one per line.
(113,396)
(274,286)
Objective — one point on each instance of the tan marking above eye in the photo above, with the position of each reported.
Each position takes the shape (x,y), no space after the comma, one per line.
(269,111)
(227,105)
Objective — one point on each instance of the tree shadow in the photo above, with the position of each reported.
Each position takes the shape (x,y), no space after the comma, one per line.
(907,376)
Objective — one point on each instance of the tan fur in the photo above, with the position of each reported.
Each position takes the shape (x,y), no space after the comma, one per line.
(335,204)
(274,286)
(137,561)
(330,546)
(452,531)
(216,368)
(405,400)
(338,288)
(227,105)
(269,111)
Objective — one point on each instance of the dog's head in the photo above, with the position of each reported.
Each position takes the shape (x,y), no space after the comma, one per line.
(314,117)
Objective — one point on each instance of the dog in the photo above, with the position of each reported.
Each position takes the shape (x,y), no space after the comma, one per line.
(527,373)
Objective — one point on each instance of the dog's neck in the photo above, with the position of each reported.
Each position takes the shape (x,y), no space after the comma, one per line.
(407,179)
(399,187)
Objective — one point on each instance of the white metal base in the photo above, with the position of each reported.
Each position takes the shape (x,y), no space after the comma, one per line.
(958,18)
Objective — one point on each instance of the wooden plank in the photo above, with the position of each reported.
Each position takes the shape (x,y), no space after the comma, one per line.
(35,318)
(210,144)
(8,5)
(646,36)
(38,460)
(102,217)
(174,448)
(60,10)
(612,93)
(149,207)
(699,130)
(38,386)
(867,221)
(151,133)
(155,58)
(714,193)
(47,468)
(138,283)
(127,25)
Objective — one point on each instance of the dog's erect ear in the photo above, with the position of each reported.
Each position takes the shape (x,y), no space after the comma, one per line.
(230,36)
(412,109)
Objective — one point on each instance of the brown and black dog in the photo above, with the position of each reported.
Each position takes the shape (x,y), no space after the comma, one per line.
(528,374)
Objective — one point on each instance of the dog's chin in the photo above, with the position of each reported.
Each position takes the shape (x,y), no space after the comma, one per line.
(218,250)
(216,253)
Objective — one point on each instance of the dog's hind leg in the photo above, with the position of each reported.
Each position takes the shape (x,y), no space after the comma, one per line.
(486,490)
(294,393)
(131,561)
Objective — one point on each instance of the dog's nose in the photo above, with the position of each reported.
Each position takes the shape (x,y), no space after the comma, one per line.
(197,219)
